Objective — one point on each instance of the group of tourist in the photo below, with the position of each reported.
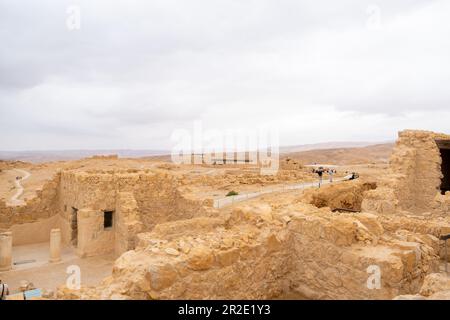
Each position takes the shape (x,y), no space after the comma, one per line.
(320,172)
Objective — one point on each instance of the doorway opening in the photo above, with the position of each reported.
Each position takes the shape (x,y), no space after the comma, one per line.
(108,219)
(74,226)
(444,148)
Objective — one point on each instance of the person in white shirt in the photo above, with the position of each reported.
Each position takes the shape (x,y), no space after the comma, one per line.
(331,172)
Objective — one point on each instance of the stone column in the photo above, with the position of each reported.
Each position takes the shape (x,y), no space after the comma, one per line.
(55,245)
(5,251)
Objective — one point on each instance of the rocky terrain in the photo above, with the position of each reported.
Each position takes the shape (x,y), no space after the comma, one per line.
(279,236)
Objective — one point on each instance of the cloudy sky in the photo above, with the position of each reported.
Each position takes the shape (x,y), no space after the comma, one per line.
(136,71)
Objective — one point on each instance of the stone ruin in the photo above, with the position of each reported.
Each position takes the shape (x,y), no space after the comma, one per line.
(295,245)
(99,212)
(418,180)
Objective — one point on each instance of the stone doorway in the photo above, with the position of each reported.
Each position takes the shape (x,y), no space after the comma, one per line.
(444,148)
(74,227)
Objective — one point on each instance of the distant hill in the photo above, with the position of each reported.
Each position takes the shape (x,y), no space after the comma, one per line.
(379,153)
(330,145)
(7,165)
(64,155)
(331,152)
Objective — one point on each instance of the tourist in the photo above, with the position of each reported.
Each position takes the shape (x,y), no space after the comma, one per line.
(331,172)
(320,172)
(4,290)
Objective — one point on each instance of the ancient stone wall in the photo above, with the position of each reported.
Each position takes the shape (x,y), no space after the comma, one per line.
(34,232)
(159,199)
(81,190)
(333,259)
(442,203)
(127,223)
(234,178)
(256,253)
(414,177)
(93,238)
(348,196)
(138,200)
(417,159)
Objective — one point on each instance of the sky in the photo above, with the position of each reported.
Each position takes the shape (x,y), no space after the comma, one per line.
(127,74)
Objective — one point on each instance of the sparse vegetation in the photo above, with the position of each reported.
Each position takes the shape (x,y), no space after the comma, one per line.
(232,193)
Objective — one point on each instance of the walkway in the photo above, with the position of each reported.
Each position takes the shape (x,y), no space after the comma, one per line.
(223,202)
(15,198)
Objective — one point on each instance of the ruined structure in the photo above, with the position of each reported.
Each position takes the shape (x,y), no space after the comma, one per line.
(327,243)
(98,212)
(418,178)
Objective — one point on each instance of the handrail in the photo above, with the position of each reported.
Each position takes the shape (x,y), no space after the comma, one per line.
(220,203)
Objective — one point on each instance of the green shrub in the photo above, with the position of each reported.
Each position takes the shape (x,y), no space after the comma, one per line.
(232,193)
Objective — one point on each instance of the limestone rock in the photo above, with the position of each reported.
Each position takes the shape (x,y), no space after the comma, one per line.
(172,252)
(161,276)
(200,258)
(441,295)
(434,283)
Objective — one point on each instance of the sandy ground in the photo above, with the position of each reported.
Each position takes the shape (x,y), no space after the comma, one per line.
(34,267)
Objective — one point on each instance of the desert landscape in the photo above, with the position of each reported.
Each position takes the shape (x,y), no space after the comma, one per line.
(145,228)
(210,159)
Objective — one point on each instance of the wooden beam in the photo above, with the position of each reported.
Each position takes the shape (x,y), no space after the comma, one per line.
(443,144)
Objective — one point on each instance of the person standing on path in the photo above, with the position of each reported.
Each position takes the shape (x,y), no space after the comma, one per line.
(331,172)
(320,172)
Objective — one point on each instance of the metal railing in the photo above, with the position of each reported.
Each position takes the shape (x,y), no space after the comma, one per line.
(223,202)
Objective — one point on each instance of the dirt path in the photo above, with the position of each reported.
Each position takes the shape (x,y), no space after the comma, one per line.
(15,198)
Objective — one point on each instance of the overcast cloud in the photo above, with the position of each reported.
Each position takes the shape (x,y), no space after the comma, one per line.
(137,70)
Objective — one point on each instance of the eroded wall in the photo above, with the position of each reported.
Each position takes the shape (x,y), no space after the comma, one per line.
(414,177)
(93,238)
(127,223)
(34,232)
(139,200)
(256,253)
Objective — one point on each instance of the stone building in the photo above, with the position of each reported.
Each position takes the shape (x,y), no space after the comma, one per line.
(418,180)
(98,212)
